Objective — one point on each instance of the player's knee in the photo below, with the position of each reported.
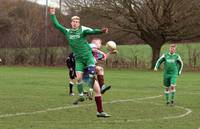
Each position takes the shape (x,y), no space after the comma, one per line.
(167,89)
(79,79)
(79,76)
(99,70)
(71,81)
(173,88)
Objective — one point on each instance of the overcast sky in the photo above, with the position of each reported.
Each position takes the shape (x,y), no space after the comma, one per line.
(54,3)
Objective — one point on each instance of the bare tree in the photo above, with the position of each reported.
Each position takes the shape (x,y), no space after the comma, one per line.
(154,21)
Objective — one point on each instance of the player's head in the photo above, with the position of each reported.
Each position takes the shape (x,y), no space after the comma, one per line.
(172,48)
(75,22)
(97,42)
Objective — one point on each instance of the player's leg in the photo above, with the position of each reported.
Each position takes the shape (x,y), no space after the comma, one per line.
(90,79)
(79,75)
(72,76)
(98,100)
(95,85)
(80,69)
(79,83)
(167,95)
(100,78)
(91,72)
(100,75)
(71,85)
(167,89)
(80,88)
(172,93)
(172,89)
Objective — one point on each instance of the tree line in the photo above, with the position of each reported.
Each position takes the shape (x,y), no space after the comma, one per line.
(154,22)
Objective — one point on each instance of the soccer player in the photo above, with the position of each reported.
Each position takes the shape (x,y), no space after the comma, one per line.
(96,44)
(173,66)
(76,36)
(70,61)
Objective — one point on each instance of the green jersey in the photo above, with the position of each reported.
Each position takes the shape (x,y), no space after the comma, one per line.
(77,38)
(172,63)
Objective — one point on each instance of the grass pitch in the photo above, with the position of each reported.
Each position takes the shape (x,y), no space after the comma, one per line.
(36,98)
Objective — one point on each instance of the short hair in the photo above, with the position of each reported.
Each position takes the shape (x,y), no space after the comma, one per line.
(97,39)
(173,45)
(75,18)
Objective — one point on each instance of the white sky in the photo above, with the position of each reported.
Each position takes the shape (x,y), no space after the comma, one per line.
(54,3)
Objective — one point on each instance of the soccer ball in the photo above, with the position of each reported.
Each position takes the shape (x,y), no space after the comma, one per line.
(0,60)
(111,45)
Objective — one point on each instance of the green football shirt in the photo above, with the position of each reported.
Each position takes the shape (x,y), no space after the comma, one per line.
(77,38)
(172,63)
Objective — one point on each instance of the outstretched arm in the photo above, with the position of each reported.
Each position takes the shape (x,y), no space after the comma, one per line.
(90,31)
(55,21)
(159,61)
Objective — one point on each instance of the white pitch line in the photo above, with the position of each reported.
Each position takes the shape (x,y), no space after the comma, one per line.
(67,107)
(188,111)
(180,116)
(190,93)
(43,111)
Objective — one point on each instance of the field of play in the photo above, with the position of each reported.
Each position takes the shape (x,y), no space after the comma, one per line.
(36,98)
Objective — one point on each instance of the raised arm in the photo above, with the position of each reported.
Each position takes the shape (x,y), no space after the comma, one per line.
(55,21)
(159,61)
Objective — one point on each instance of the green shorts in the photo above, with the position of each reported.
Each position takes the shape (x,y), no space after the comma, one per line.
(169,79)
(83,62)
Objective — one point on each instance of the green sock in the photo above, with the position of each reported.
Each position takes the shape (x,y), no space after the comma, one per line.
(167,96)
(172,95)
(80,88)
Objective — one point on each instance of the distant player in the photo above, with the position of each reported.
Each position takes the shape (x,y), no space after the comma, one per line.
(70,61)
(173,66)
(76,36)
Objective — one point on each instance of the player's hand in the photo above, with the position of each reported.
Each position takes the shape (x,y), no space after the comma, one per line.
(179,73)
(155,69)
(104,30)
(104,57)
(52,10)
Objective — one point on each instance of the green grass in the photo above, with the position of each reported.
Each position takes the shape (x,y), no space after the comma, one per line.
(189,53)
(31,89)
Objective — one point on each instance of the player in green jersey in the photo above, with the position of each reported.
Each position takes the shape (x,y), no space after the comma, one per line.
(173,66)
(76,36)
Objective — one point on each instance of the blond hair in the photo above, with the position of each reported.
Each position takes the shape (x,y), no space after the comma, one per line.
(172,45)
(75,18)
